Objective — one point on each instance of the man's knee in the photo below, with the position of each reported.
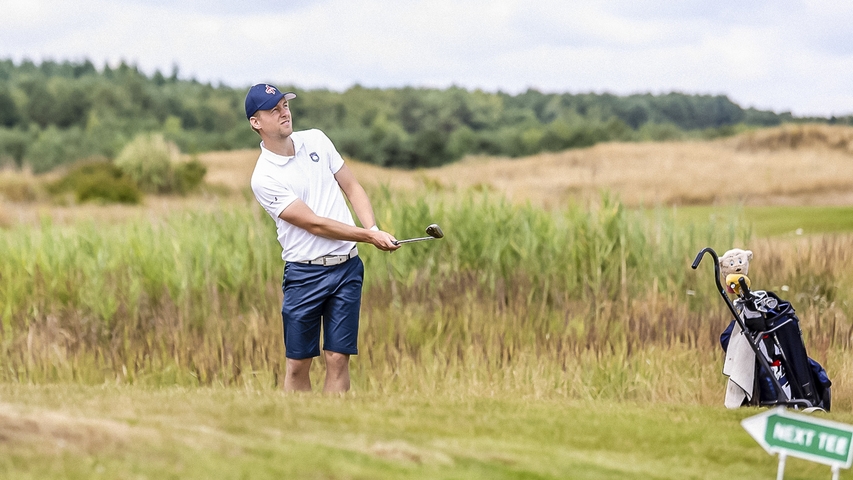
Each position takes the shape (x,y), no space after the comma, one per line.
(337,362)
(299,367)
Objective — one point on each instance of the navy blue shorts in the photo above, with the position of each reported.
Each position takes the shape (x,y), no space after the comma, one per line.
(315,295)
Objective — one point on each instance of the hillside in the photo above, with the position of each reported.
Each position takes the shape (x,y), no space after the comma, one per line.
(790,165)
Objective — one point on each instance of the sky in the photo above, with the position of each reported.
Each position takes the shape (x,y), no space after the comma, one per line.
(779,55)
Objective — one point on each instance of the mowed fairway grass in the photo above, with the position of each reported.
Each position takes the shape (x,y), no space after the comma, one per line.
(770,221)
(110,432)
(555,333)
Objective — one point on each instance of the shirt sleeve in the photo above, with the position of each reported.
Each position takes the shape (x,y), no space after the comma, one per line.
(273,196)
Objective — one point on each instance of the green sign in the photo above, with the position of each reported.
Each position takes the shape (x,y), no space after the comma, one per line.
(780,431)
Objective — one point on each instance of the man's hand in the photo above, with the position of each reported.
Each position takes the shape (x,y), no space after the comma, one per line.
(383,240)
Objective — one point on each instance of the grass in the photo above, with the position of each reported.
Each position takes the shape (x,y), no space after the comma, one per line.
(554,332)
(782,220)
(774,221)
(79,432)
(510,289)
(196,294)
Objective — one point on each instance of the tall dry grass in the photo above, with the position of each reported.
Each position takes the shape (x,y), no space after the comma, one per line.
(581,302)
(797,137)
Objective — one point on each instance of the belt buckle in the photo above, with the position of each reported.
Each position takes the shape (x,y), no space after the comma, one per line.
(332,260)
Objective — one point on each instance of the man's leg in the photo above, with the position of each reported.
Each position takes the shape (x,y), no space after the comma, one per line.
(300,314)
(340,325)
(337,372)
(296,378)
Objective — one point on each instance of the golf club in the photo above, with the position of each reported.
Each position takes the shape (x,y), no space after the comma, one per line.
(434,232)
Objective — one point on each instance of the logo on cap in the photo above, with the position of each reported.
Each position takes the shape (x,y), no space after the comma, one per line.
(270,90)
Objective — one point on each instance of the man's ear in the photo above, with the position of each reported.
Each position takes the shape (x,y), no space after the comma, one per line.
(253,121)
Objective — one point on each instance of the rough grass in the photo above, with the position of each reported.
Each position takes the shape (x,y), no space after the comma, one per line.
(514,299)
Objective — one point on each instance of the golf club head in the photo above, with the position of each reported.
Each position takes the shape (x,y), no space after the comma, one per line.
(434,231)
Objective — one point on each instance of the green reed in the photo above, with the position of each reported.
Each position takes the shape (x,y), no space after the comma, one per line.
(514,297)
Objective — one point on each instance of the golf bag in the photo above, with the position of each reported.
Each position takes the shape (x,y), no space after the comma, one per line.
(773,327)
(767,327)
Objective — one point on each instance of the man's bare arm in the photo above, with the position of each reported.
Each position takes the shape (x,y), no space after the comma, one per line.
(357,196)
(301,215)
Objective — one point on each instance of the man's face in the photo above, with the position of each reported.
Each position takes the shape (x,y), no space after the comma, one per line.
(275,121)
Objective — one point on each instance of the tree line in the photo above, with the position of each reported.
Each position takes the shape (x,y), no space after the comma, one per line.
(54,113)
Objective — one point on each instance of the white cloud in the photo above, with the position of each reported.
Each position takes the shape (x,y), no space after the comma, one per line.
(784,55)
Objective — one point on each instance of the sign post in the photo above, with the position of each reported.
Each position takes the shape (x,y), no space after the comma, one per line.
(781,432)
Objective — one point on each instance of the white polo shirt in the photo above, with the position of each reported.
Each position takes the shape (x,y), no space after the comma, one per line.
(308,176)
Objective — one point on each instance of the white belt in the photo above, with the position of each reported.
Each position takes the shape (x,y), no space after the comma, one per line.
(330,260)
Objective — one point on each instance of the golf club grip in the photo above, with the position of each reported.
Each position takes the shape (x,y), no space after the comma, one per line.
(701,254)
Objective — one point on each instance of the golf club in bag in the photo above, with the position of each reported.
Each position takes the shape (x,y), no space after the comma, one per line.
(784,374)
(434,232)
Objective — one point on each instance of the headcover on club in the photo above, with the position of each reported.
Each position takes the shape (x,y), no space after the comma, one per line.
(733,285)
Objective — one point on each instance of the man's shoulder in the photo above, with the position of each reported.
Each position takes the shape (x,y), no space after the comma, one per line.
(264,168)
(258,175)
(311,135)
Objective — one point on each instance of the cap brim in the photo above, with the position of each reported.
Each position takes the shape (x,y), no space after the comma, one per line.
(273,101)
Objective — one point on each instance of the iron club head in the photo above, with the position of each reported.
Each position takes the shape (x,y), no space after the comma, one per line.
(434,231)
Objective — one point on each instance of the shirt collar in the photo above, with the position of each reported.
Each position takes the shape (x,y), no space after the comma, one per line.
(282,159)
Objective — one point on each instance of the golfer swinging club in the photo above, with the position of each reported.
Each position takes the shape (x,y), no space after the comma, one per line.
(299,179)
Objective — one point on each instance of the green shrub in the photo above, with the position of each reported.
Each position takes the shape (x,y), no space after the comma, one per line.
(97,180)
(661,132)
(154,164)
(148,161)
(108,189)
(188,176)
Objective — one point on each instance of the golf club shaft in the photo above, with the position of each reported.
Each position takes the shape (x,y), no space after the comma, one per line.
(410,240)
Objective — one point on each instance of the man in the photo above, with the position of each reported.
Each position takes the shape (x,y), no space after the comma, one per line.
(300,179)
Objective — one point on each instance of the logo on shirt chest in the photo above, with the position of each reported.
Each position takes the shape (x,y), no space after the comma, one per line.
(314,157)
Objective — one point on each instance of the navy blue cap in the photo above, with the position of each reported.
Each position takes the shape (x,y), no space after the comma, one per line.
(264,97)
